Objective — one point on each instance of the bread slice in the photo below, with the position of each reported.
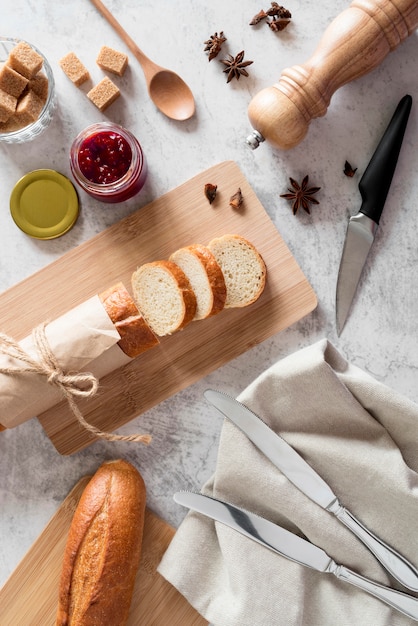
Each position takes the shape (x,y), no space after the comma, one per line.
(135,335)
(243,268)
(164,296)
(205,277)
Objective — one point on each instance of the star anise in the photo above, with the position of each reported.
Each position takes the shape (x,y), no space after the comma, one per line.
(214,45)
(278,11)
(261,15)
(349,170)
(301,195)
(278,23)
(237,199)
(235,66)
(210,192)
(280,17)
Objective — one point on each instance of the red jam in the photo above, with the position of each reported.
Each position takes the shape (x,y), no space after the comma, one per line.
(104,157)
(108,163)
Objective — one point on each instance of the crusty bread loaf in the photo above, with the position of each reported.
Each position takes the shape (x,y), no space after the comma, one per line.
(164,296)
(205,277)
(243,268)
(103,549)
(136,335)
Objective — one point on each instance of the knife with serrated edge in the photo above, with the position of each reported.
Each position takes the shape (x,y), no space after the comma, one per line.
(292,547)
(305,478)
(362,227)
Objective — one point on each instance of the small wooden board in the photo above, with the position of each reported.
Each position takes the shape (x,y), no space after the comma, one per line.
(29,597)
(180,217)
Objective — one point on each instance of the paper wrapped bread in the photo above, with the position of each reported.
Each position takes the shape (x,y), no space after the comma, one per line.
(100,335)
(104,333)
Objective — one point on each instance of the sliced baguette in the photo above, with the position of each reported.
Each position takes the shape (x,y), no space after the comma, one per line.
(164,296)
(135,335)
(243,268)
(205,277)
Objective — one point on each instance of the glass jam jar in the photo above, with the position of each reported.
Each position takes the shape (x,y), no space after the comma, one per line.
(108,163)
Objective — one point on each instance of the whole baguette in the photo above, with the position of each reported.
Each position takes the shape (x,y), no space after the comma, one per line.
(103,549)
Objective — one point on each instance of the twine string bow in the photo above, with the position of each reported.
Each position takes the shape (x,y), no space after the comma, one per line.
(71,384)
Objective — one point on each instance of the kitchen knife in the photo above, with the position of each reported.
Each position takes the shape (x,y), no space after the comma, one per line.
(374,187)
(304,477)
(292,547)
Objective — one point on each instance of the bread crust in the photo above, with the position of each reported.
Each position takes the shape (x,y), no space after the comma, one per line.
(214,275)
(103,549)
(187,295)
(136,335)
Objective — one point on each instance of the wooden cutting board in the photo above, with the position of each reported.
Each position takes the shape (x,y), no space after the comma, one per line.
(29,597)
(178,218)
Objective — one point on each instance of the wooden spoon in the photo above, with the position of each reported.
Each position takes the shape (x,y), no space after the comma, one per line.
(167,90)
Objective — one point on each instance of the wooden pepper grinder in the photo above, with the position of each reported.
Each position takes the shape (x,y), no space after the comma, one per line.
(355,43)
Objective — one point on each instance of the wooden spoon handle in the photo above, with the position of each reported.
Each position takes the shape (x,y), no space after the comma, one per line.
(355,43)
(144,61)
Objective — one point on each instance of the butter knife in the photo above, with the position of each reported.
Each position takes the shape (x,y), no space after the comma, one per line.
(362,227)
(306,479)
(292,547)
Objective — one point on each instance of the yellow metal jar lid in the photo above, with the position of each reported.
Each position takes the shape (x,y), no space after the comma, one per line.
(44,204)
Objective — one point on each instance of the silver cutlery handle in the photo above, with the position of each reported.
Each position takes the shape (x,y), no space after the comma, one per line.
(401,601)
(395,563)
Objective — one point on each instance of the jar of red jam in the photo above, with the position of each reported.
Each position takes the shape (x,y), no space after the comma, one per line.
(108,163)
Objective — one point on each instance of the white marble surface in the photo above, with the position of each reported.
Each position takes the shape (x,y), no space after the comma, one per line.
(381,334)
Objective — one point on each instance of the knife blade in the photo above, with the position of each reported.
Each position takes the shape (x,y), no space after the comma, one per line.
(362,227)
(293,547)
(308,481)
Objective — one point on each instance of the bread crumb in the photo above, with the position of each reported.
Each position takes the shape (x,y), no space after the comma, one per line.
(8,105)
(74,69)
(11,81)
(111,60)
(25,60)
(103,94)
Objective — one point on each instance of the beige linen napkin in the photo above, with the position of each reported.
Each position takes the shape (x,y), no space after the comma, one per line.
(362,438)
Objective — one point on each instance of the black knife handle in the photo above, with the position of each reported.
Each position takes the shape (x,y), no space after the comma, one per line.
(376,180)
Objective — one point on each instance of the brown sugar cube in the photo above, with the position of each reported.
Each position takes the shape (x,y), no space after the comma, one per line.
(25,60)
(7,105)
(39,84)
(28,108)
(74,69)
(12,124)
(111,60)
(12,82)
(103,94)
